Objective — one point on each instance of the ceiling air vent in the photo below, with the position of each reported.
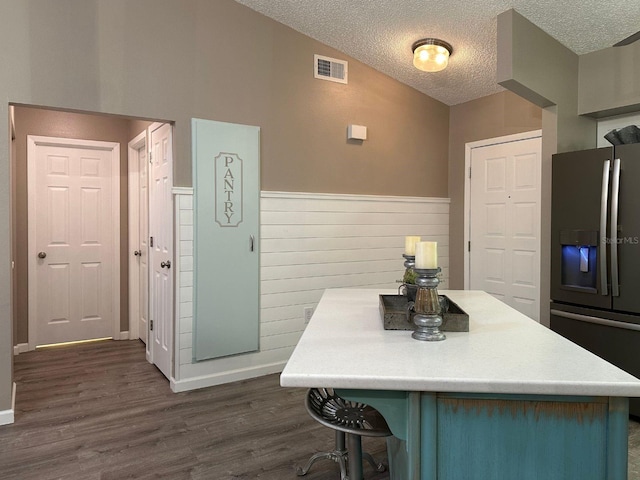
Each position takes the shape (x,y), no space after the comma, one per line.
(332,69)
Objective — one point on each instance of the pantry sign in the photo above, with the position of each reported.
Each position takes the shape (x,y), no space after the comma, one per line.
(228,188)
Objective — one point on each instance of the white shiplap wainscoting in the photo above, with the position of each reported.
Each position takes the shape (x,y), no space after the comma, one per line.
(308,243)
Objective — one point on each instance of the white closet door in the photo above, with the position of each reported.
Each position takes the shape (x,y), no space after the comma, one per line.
(161,251)
(505,223)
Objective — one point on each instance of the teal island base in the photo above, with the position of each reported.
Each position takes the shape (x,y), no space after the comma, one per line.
(459,436)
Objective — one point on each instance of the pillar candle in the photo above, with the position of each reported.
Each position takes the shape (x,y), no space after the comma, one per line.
(410,245)
(427,255)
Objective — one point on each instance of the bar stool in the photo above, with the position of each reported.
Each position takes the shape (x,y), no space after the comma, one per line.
(351,421)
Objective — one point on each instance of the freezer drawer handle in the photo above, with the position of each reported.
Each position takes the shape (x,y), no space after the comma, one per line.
(603,227)
(615,191)
(599,321)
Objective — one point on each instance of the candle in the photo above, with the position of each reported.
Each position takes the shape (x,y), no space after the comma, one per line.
(410,245)
(426,255)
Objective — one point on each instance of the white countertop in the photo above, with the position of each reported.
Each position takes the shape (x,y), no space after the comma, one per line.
(346,346)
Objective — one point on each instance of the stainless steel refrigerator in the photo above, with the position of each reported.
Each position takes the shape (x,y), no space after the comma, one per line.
(595,253)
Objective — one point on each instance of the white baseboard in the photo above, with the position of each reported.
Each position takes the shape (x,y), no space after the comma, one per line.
(204,381)
(7,416)
(123,336)
(20,348)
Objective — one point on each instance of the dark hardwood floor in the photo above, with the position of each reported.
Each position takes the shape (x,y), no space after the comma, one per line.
(101,412)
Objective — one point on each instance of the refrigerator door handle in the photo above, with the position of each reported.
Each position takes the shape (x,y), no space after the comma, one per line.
(596,320)
(615,190)
(604,199)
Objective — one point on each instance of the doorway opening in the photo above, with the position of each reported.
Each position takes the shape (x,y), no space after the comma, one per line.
(78,236)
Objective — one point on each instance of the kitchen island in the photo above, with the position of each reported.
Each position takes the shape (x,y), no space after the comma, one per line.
(507,400)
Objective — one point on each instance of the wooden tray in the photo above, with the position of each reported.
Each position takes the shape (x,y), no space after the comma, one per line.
(393,310)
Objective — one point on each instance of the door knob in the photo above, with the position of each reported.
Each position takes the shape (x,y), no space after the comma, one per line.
(137,253)
(42,255)
(166,264)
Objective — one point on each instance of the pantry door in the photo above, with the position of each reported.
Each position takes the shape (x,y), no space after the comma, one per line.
(74,229)
(226,169)
(504,248)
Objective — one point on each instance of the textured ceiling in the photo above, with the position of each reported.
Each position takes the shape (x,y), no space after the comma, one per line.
(380,33)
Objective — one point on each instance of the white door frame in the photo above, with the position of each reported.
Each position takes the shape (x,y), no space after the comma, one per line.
(467,184)
(33,141)
(134,206)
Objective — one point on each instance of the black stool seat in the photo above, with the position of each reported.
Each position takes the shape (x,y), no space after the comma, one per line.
(350,420)
(344,415)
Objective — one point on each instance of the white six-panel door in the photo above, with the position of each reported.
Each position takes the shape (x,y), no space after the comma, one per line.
(138,238)
(161,251)
(73,240)
(505,223)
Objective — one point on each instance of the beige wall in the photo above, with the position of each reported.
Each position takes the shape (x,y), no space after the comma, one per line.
(51,123)
(406,148)
(174,60)
(537,67)
(609,81)
(493,116)
(569,87)
(136,127)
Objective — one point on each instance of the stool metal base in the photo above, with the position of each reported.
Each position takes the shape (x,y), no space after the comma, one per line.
(350,421)
(341,456)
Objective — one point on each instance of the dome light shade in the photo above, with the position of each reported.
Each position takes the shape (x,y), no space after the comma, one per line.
(431,54)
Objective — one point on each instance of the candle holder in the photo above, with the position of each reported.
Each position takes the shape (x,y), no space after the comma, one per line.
(408,280)
(427,306)
(409,261)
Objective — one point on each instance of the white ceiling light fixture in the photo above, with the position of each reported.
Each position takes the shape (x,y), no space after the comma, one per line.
(431,54)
